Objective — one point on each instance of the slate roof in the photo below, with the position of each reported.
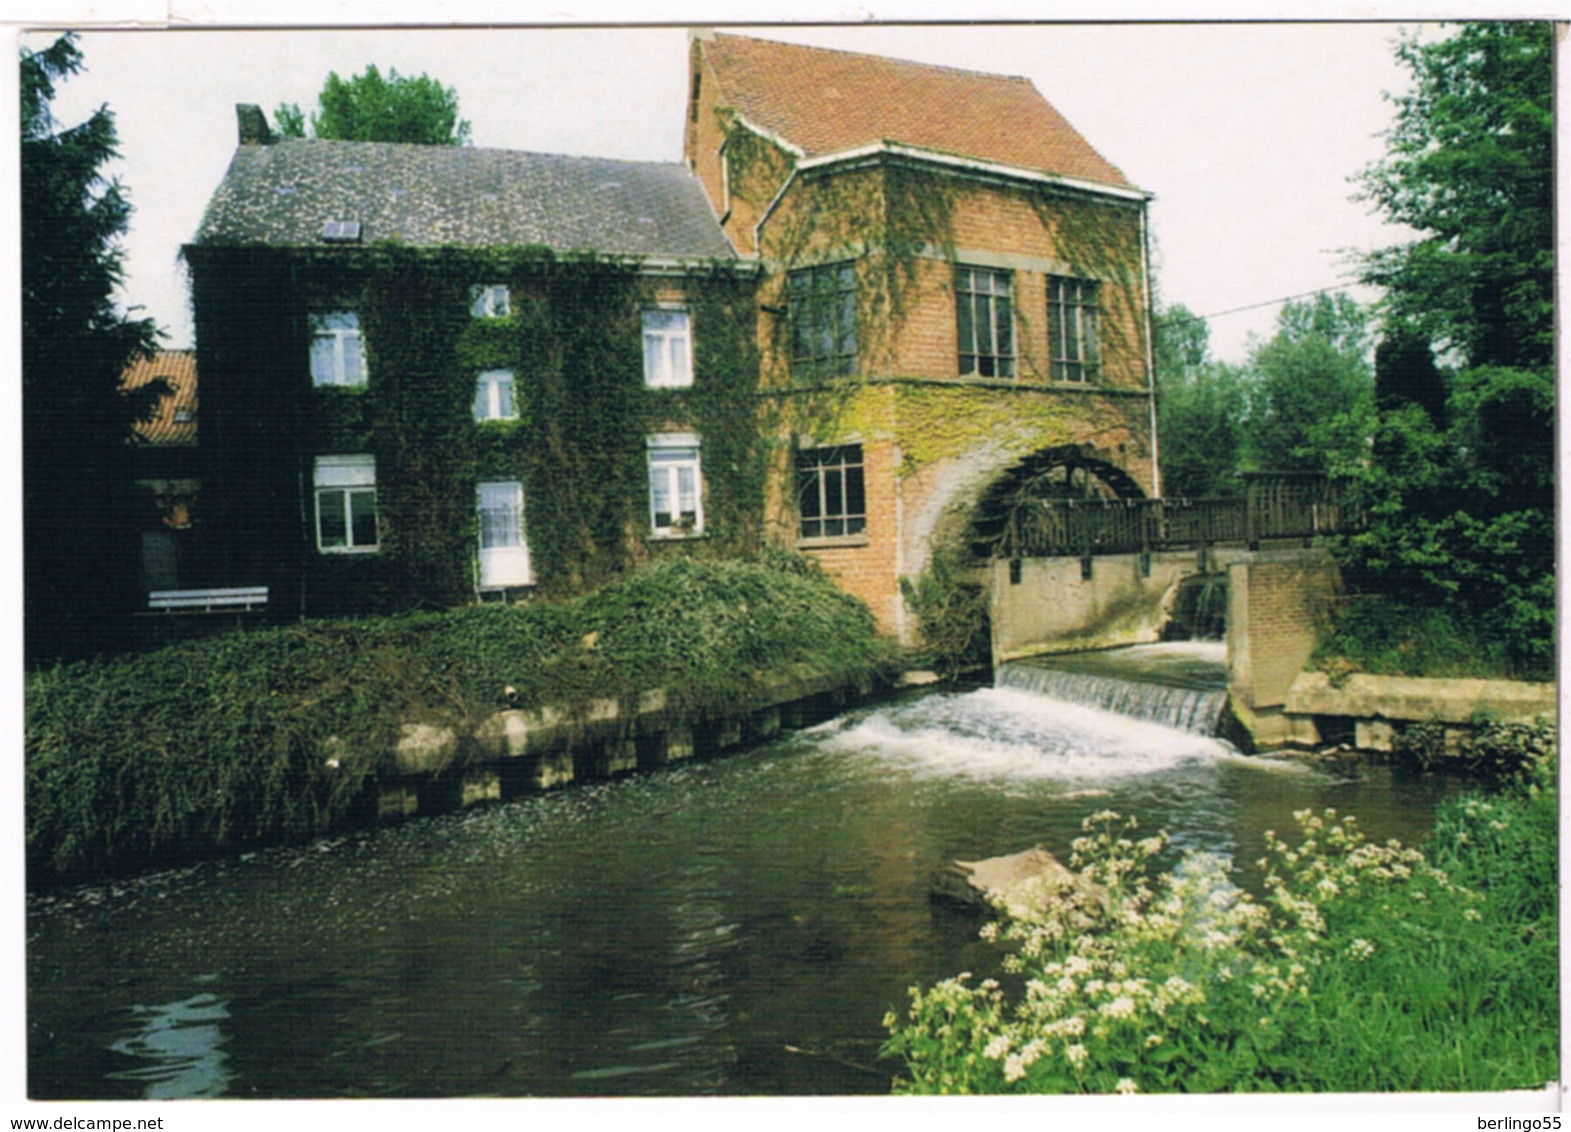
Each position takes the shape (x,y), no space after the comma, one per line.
(825,102)
(282,194)
(173,423)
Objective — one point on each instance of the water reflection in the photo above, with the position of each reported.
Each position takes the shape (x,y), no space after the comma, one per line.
(179,1046)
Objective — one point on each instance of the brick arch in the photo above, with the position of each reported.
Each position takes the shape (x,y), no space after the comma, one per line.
(1064,472)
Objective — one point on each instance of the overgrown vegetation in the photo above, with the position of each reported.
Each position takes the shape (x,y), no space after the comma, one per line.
(1361,967)
(951,608)
(277,734)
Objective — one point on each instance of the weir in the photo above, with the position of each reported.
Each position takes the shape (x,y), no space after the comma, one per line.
(1182,685)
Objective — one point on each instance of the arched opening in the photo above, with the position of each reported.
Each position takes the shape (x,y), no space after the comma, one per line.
(1068,472)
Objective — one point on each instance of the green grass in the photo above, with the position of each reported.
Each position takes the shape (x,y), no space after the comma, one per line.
(278,734)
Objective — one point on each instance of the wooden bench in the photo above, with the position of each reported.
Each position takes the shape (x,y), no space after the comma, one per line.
(236,599)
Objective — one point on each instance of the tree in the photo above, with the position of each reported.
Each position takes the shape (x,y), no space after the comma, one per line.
(1200,409)
(1469,164)
(1311,391)
(368,107)
(75,347)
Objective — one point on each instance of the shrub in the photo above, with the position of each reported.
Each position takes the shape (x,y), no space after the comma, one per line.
(1361,967)
(277,734)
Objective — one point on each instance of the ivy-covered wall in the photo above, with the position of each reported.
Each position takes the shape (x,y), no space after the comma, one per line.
(572,339)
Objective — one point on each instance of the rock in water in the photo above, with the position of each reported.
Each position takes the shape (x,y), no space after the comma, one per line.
(1020,882)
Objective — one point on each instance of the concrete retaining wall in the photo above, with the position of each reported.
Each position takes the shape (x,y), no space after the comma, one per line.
(513,752)
(1376,707)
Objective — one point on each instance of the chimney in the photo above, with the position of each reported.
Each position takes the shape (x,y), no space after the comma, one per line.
(253,125)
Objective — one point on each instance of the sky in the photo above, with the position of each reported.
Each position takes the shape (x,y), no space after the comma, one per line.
(1247,134)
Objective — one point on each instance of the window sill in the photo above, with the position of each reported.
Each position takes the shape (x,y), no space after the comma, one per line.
(833,542)
(675,536)
(347,551)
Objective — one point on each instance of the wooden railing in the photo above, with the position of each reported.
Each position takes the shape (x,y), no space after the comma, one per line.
(1275,505)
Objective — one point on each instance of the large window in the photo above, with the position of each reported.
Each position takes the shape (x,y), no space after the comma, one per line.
(504,554)
(985,321)
(336,356)
(494,400)
(345,504)
(668,349)
(831,497)
(676,486)
(822,306)
(1071,328)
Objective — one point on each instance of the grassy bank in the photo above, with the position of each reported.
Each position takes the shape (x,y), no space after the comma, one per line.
(277,734)
(1362,968)
(1387,638)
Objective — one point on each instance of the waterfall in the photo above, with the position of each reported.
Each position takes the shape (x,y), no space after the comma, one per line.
(1179,686)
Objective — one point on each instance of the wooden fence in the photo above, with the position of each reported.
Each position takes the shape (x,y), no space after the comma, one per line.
(1275,505)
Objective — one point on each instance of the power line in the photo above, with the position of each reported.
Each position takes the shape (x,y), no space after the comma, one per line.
(1174,321)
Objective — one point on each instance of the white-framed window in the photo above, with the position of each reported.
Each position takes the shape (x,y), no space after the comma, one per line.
(504,550)
(985,321)
(489,300)
(676,485)
(668,349)
(345,504)
(336,355)
(1071,328)
(830,492)
(494,400)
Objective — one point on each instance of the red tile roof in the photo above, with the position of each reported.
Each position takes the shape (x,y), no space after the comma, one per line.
(826,102)
(174,421)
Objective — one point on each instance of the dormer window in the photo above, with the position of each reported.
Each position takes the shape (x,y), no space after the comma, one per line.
(336,355)
(341,232)
(489,300)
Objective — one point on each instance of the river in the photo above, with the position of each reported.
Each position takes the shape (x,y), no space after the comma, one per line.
(737,926)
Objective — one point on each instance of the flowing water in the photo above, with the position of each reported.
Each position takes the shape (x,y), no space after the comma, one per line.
(734,926)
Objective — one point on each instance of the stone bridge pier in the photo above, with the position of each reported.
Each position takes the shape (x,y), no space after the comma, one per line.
(1275,599)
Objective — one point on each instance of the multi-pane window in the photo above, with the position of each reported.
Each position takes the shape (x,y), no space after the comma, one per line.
(504,554)
(822,305)
(985,321)
(831,496)
(489,300)
(336,356)
(668,349)
(676,486)
(345,503)
(1071,328)
(494,399)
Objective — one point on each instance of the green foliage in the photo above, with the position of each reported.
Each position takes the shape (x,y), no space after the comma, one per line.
(951,608)
(1462,519)
(1386,637)
(76,343)
(367,107)
(1310,393)
(573,340)
(1200,410)
(1362,968)
(1521,755)
(1470,165)
(278,734)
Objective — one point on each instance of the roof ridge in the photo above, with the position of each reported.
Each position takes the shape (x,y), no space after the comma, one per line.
(462,149)
(886,59)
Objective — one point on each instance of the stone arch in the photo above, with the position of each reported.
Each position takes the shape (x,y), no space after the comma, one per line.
(1064,472)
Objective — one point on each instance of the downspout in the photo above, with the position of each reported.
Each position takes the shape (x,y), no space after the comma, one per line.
(1145,271)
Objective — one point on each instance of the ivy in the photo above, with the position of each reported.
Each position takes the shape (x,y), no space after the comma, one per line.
(573,340)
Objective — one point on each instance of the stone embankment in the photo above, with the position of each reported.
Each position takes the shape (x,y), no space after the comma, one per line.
(515,752)
(1375,708)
